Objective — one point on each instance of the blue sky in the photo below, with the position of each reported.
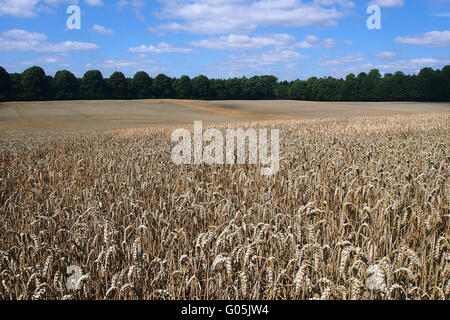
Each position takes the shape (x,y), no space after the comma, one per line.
(225,38)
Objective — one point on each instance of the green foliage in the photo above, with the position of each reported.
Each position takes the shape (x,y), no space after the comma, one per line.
(162,87)
(219,89)
(183,88)
(201,87)
(141,86)
(92,85)
(65,86)
(434,84)
(233,88)
(297,90)
(16,87)
(5,85)
(119,86)
(35,84)
(282,90)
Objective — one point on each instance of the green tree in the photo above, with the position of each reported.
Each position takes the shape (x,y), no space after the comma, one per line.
(265,87)
(201,87)
(141,85)
(218,87)
(92,85)
(369,84)
(162,86)
(383,90)
(183,88)
(5,85)
(297,91)
(362,93)
(65,85)
(282,90)
(433,84)
(399,87)
(309,88)
(35,84)
(446,73)
(233,88)
(349,88)
(16,87)
(119,86)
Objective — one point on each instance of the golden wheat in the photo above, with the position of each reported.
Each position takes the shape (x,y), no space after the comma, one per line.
(359,210)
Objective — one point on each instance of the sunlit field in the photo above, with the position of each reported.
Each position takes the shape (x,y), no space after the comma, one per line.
(73,116)
(358,210)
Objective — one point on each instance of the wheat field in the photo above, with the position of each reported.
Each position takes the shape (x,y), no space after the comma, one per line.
(358,210)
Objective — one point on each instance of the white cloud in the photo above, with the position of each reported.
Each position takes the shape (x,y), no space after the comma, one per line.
(268,58)
(414,64)
(411,65)
(343,3)
(129,66)
(18,8)
(119,64)
(329,43)
(386,55)
(135,5)
(243,16)
(49,60)
(94,2)
(434,39)
(22,40)
(162,47)
(312,41)
(24,35)
(244,42)
(341,60)
(248,64)
(101,29)
(30,8)
(388,3)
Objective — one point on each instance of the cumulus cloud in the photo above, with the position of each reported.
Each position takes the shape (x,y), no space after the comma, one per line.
(243,16)
(162,47)
(24,35)
(249,64)
(30,8)
(129,65)
(388,3)
(267,58)
(244,42)
(341,60)
(434,39)
(413,64)
(386,55)
(22,40)
(94,2)
(312,41)
(136,7)
(410,65)
(101,29)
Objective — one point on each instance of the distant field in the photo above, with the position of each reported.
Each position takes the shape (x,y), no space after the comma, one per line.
(104,115)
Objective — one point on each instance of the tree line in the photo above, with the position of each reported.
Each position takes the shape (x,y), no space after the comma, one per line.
(33,84)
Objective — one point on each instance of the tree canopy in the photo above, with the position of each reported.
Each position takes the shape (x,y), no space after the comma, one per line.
(118,85)
(92,85)
(141,86)
(34,84)
(65,85)
(5,85)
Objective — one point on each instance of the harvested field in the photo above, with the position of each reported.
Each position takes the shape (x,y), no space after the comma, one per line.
(57,116)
